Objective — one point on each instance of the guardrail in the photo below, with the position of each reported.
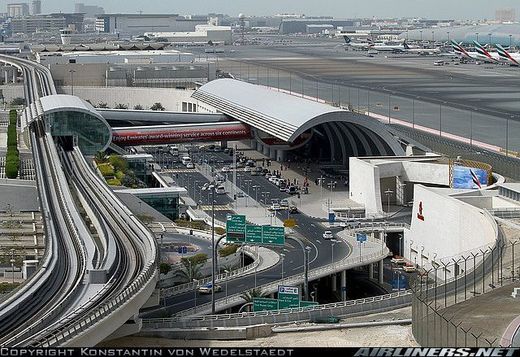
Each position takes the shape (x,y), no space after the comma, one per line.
(351,308)
(373,253)
(180,289)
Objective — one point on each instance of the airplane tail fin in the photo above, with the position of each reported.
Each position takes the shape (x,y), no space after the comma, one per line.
(347,39)
(481,50)
(502,52)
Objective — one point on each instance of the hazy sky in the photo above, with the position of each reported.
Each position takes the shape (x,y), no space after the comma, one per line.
(457,9)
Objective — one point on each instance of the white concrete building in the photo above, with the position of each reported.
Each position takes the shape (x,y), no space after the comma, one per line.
(202,35)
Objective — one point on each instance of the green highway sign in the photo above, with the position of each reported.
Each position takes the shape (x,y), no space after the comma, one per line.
(236,228)
(288,297)
(273,235)
(308,303)
(262,304)
(253,234)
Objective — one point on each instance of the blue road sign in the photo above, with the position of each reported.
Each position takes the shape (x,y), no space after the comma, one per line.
(332,217)
(182,250)
(361,237)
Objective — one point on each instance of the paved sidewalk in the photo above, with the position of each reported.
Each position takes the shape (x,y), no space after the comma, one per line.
(319,199)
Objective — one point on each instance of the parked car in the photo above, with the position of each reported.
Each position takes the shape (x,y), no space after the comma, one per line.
(328,235)
(220,190)
(275,207)
(206,288)
(409,268)
(398,260)
(190,165)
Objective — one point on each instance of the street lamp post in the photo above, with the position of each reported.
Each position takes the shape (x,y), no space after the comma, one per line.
(420,31)
(282,257)
(256,188)
(211,187)
(248,183)
(448,35)
(476,33)
(489,39)
(333,241)
(12,263)
(510,41)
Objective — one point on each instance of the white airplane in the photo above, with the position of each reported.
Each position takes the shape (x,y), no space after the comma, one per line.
(361,46)
(492,57)
(462,52)
(421,51)
(512,58)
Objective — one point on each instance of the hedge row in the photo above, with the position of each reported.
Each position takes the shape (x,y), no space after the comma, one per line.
(12,160)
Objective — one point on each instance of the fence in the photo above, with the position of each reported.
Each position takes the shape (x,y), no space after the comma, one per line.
(464,124)
(474,274)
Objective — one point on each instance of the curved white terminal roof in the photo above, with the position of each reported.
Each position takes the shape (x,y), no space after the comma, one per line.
(287,116)
(276,113)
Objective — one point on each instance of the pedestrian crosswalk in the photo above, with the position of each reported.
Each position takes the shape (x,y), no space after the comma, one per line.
(217,207)
(177,171)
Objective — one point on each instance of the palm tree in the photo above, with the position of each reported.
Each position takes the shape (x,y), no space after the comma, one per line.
(121,106)
(101,157)
(157,106)
(190,272)
(138,107)
(249,295)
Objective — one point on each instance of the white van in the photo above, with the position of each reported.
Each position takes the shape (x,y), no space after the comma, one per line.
(221,190)
(185,160)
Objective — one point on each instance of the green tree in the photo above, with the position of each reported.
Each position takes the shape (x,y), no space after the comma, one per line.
(249,295)
(138,107)
(157,106)
(118,163)
(190,271)
(165,268)
(101,157)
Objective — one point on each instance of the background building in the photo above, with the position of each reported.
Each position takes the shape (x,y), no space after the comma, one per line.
(288,26)
(17,10)
(136,24)
(90,11)
(36,7)
(202,35)
(505,15)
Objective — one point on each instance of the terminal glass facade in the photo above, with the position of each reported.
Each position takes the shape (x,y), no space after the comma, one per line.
(92,133)
(167,204)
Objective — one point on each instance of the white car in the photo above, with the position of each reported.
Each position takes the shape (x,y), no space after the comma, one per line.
(190,165)
(284,203)
(328,235)
(275,207)
(226,169)
(221,190)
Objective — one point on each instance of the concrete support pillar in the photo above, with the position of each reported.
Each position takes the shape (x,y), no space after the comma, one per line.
(272,153)
(15,72)
(344,285)
(266,150)
(223,144)
(380,276)
(400,197)
(371,271)
(281,155)
(6,76)
(252,143)
(334,282)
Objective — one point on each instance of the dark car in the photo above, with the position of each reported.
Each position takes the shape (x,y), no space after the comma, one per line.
(293,209)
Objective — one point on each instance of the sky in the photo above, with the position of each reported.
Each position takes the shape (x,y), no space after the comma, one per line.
(448,9)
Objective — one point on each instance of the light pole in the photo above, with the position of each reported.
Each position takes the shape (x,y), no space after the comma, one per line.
(248,183)
(195,281)
(227,272)
(420,31)
(256,188)
(448,35)
(72,81)
(510,41)
(306,272)
(388,193)
(476,33)
(333,241)
(12,263)
(320,179)
(282,256)
(489,37)
(211,187)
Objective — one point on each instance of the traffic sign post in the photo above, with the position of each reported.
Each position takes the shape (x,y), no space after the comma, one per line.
(361,238)
(273,235)
(253,234)
(288,297)
(332,217)
(263,304)
(236,228)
